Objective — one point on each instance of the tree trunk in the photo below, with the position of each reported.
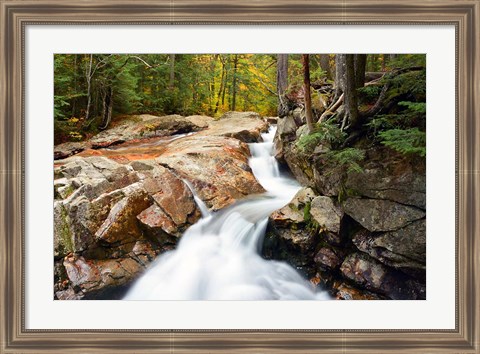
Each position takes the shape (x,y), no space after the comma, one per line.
(339,75)
(351,100)
(171,83)
(88,76)
(234,82)
(384,62)
(360,65)
(222,86)
(75,87)
(211,91)
(282,84)
(306,88)
(325,65)
(107,107)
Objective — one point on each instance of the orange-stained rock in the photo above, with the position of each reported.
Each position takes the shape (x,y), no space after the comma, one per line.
(92,277)
(121,224)
(216,166)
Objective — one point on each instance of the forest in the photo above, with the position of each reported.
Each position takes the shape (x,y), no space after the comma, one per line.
(89,89)
(306,169)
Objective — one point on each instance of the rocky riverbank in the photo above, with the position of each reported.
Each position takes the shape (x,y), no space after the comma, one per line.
(122,198)
(361,232)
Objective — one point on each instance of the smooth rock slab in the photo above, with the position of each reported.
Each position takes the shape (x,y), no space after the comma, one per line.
(153,126)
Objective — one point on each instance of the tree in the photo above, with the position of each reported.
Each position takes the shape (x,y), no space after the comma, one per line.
(234,82)
(339,75)
(351,100)
(360,65)
(95,88)
(325,65)
(88,77)
(282,84)
(306,87)
(171,84)
(221,90)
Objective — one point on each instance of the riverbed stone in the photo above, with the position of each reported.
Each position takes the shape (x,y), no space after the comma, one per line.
(347,292)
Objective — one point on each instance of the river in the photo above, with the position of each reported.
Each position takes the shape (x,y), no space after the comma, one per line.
(218,258)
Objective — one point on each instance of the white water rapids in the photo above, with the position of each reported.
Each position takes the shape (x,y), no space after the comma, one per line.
(218,257)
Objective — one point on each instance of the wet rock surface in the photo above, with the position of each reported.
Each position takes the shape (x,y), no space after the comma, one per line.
(143,127)
(62,151)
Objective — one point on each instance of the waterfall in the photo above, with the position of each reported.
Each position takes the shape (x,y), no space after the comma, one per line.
(218,257)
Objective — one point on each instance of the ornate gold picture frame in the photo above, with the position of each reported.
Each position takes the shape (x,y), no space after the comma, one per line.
(464,15)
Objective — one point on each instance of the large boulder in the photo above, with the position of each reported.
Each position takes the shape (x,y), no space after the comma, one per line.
(286,132)
(381,215)
(89,189)
(62,151)
(121,225)
(244,126)
(328,258)
(143,127)
(200,121)
(217,167)
(99,200)
(403,249)
(386,175)
(328,215)
(372,275)
(292,237)
(97,279)
(174,208)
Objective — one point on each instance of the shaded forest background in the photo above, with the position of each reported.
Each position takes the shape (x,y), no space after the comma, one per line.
(384,98)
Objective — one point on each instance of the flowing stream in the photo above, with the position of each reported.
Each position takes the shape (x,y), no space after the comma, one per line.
(218,257)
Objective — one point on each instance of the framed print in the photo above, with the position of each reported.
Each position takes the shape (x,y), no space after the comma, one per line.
(168,174)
